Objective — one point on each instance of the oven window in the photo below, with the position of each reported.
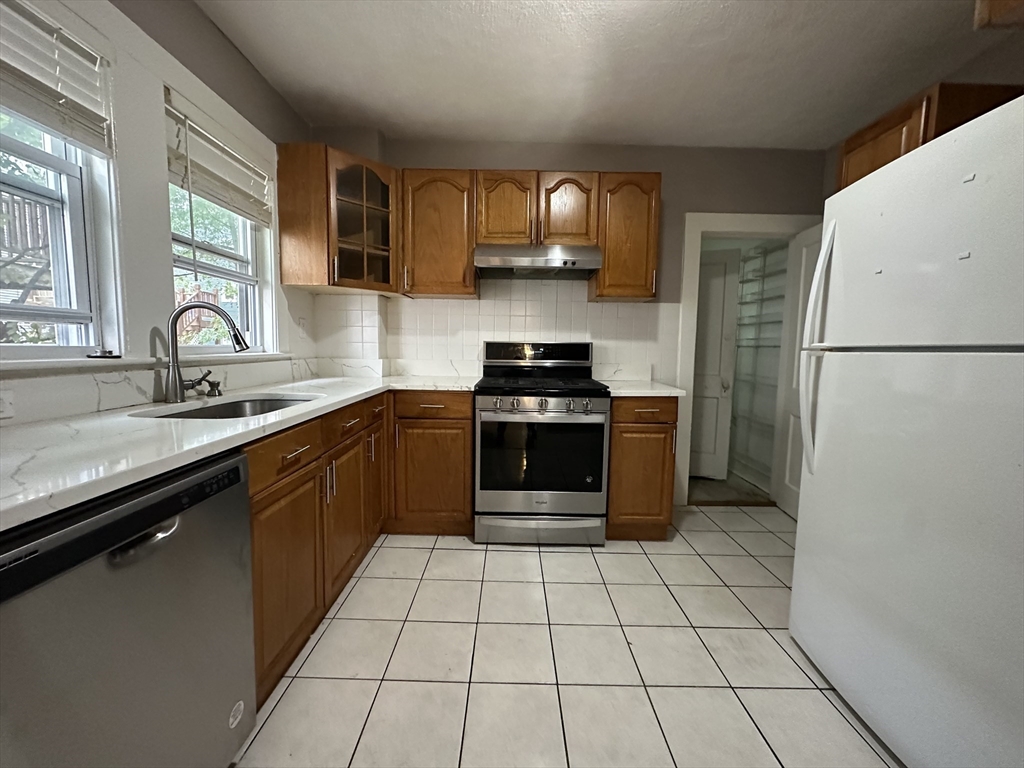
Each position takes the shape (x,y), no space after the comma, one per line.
(518,456)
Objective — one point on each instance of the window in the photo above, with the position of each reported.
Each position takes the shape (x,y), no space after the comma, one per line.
(220,222)
(53,130)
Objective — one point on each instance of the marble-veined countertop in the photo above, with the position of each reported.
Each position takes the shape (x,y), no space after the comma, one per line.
(48,466)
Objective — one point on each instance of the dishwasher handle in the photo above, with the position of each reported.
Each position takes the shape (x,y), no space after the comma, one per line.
(141,546)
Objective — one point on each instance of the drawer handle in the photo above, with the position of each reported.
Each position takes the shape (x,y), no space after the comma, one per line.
(648,410)
(425,405)
(379,408)
(293,454)
(349,424)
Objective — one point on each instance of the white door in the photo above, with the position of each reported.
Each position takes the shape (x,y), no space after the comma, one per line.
(714,363)
(908,585)
(789,445)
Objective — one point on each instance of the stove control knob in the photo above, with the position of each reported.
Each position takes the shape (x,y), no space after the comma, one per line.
(497,402)
(515,403)
(587,405)
(570,406)
(543,403)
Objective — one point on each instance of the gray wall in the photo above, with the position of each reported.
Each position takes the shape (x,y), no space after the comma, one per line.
(693,180)
(187,33)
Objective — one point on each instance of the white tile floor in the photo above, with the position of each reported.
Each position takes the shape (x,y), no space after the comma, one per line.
(445,653)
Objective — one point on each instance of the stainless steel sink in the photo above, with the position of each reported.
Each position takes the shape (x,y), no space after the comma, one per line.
(236,409)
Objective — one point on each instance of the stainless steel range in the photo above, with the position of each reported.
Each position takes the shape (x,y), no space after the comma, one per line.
(542,427)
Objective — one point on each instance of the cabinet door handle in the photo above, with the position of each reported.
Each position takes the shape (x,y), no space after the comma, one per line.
(293,454)
(373,447)
(648,410)
(349,424)
(426,405)
(654,281)
(541,231)
(379,408)
(674,442)
(533,229)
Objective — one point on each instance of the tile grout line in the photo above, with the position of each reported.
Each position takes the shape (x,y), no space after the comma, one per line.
(554,662)
(629,647)
(391,656)
(472,656)
(291,678)
(766,629)
(752,614)
(708,651)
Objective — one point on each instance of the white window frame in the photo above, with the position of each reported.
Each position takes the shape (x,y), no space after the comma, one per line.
(251,323)
(75,199)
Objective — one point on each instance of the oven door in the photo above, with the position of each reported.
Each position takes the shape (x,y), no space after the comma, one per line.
(541,463)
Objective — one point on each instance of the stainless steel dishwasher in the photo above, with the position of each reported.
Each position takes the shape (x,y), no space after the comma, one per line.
(126,632)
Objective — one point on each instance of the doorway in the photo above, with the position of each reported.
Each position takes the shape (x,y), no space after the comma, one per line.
(754,277)
(740,305)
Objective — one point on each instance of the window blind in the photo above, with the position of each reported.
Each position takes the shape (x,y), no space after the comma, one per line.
(201,164)
(52,79)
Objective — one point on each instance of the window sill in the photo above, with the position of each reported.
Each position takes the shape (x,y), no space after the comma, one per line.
(27,368)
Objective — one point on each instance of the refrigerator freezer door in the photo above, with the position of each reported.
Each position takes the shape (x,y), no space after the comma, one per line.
(908,587)
(929,250)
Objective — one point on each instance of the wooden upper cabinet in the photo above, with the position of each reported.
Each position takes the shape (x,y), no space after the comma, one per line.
(938,110)
(628,235)
(506,205)
(890,138)
(568,208)
(439,232)
(338,219)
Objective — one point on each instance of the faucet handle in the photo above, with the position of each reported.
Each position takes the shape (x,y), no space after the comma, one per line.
(193,383)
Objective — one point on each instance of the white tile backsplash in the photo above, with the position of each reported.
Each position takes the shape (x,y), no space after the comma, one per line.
(625,335)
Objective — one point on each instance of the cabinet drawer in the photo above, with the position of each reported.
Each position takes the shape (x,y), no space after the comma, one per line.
(433,405)
(277,457)
(376,408)
(341,424)
(645,410)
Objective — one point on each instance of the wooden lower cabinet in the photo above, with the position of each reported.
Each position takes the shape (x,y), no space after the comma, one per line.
(433,476)
(641,469)
(288,597)
(345,475)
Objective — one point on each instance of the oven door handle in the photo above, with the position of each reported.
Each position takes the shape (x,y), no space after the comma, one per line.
(545,418)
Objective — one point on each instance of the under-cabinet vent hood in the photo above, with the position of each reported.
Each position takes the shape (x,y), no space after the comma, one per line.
(560,262)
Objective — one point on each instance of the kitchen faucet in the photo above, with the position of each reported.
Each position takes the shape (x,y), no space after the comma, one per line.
(175,386)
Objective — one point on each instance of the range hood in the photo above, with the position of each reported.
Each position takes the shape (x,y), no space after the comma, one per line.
(559,262)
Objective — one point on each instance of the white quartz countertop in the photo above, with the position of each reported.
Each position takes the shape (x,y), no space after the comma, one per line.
(643,389)
(48,466)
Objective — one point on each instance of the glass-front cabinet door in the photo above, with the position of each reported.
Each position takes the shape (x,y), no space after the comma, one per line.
(363,222)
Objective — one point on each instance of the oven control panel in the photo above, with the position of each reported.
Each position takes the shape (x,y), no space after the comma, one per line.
(543,404)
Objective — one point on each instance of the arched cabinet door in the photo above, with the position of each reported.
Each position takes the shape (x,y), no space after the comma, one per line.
(568,208)
(628,236)
(439,232)
(506,207)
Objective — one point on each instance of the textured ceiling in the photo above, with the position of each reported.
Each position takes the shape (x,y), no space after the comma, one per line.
(798,74)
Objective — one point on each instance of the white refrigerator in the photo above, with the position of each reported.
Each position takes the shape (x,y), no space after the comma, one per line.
(908,585)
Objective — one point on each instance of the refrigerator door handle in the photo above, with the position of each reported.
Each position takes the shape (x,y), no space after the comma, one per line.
(805,409)
(813,318)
